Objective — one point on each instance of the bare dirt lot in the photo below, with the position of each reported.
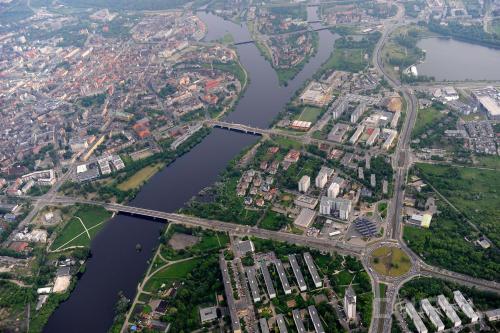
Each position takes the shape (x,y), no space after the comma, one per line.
(180,241)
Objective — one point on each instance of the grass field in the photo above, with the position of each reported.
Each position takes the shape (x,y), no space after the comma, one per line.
(495,27)
(287,143)
(382,288)
(216,241)
(171,273)
(474,192)
(140,177)
(351,60)
(74,234)
(310,113)
(390,261)
(492,162)
(273,221)
(425,117)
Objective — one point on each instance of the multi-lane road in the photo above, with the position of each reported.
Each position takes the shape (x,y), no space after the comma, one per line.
(383,304)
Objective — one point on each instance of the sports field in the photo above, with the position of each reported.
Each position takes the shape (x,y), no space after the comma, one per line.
(85,223)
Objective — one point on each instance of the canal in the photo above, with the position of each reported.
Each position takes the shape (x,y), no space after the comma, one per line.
(115,264)
(449,59)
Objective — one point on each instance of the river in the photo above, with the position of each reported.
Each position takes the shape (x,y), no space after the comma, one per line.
(115,264)
(449,59)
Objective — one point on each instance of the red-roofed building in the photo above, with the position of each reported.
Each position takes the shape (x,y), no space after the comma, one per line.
(211,84)
(141,130)
(292,156)
(19,247)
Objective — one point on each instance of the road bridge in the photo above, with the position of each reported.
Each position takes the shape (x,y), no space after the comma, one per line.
(239,128)
(326,245)
(244,42)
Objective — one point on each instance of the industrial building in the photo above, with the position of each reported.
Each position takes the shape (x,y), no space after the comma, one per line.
(305,218)
(304,183)
(267,280)
(296,271)
(489,100)
(228,289)
(465,306)
(264,328)
(448,309)
(312,270)
(365,227)
(432,314)
(417,321)
(280,320)
(283,278)
(298,321)
(350,303)
(313,313)
(252,281)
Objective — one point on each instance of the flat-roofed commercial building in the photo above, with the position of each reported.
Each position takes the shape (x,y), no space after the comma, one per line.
(267,280)
(313,313)
(312,270)
(432,314)
(252,281)
(492,315)
(235,321)
(417,321)
(305,218)
(296,271)
(448,309)
(283,278)
(280,320)
(465,306)
(298,321)
(263,325)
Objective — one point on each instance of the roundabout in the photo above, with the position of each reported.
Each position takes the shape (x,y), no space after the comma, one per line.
(390,261)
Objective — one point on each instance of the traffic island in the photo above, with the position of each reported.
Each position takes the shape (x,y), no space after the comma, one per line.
(390,261)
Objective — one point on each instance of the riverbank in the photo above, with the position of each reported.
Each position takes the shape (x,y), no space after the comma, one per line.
(96,294)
